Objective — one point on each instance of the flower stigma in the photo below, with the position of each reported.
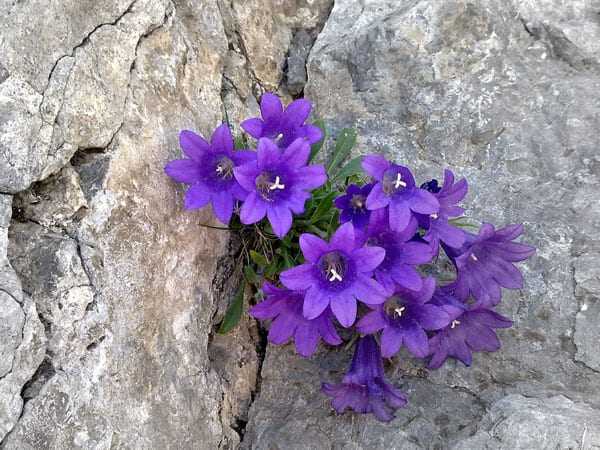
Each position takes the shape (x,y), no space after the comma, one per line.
(399,181)
(454,323)
(276,184)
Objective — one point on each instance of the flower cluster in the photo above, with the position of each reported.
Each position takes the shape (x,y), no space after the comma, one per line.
(357,255)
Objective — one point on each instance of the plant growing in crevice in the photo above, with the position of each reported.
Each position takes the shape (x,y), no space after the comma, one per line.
(321,239)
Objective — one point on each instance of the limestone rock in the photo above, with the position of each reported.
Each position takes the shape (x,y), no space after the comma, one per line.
(470,86)
(518,422)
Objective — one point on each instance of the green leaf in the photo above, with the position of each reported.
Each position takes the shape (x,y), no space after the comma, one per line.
(353,167)
(316,147)
(251,275)
(240,142)
(234,312)
(259,260)
(324,207)
(463,222)
(343,146)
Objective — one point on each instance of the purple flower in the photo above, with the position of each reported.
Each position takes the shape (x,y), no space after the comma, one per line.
(401,254)
(364,388)
(285,307)
(353,205)
(436,224)
(404,319)
(336,273)
(484,263)
(281,126)
(396,188)
(278,183)
(470,331)
(209,171)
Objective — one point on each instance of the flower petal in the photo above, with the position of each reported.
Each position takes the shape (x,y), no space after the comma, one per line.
(298,278)
(311,133)
(184,170)
(253,209)
(344,308)
(253,127)
(270,107)
(343,238)
(268,154)
(368,258)
(246,175)
(280,218)
(311,177)
(391,341)
(423,202)
(282,329)
(222,202)
(297,112)
(416,340)
(375,165)
(371,322)
(315,300)
(197,196)
(297,153)
(407,276)
(313,247)
(369,291)
(377,199)
(306,339)
(399,213)
(241,157)
(431,317)
(193,145)
(222,139)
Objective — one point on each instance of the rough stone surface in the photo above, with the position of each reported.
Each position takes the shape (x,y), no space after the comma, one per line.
(110,294)
(107,333)
(506,94)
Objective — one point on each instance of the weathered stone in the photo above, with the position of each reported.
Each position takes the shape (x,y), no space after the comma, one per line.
(468,85)
(522,423)
(54,201)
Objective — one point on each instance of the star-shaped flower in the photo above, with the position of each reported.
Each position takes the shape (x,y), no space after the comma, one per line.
(279,183)
(209,171)
(285,308)
(337,273)
(364,388)
(282,126)
(395,187)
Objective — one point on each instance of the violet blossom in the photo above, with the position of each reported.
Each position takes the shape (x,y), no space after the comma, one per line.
(395,187)
(282,126)
(364,388)
(353,205)
(208,169)
(437,225)
(285,308)
(336,274)
(402,253)
(278,183)
(484,263)
(404,319)
(470,331)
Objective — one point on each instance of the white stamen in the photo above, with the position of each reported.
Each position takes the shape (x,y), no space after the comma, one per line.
(399,181)
(278,137)
(334,275)
(400,310)
(219,169)
(433,216)
(474,258)
(454,323)
(276,185)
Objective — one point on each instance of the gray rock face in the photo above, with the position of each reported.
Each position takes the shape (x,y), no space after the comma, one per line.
(110,293)
(107,332)
(506,94)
